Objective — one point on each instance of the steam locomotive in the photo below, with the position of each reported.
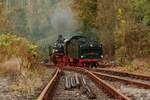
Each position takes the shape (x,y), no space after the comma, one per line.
(78,51)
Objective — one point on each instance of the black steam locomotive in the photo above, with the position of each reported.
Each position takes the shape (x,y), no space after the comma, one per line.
(76,51)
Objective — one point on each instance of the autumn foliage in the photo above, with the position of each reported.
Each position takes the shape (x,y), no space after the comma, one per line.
(87,12)
(122,26)
(19,47)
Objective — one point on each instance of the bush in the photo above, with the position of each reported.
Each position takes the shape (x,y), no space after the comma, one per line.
(138,42)
(19,47)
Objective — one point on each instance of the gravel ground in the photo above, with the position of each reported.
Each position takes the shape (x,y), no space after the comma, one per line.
(140,80)
(7,82)
(131,91)
(76,94)
(5,92)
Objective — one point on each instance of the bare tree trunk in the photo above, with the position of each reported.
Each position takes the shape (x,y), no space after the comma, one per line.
(106,24)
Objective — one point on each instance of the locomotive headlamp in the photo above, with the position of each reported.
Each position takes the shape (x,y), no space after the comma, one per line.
(56,50)
(53,51)
(102,56)
(100,45)
(91,45)
(82,56)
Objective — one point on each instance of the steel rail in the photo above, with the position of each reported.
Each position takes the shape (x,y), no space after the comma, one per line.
(125,80)
(46,94)
(123,73)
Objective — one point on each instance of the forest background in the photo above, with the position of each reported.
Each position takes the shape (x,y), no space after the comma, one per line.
(122,26)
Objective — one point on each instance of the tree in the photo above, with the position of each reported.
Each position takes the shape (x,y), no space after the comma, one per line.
(5,24)
(142,10)
(106,21)
(130,32)
(87,12)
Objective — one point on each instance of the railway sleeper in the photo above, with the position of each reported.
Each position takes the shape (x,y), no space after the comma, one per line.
(67,83)
(71,82)
(86,89)
(75,81)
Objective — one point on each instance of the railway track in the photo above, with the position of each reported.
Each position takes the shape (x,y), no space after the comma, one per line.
(126,82)
(107,88)
(128,75)
(107,91)
(113,85)
(127,86)
(61,91)
(123,80)
(47,92)
(67,89)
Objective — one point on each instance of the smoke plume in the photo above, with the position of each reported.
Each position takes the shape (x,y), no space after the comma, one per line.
(63,19)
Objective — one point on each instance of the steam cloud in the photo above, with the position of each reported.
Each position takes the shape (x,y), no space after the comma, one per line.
(63,19)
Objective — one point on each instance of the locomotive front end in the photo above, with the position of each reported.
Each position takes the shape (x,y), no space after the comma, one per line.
(90,53)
